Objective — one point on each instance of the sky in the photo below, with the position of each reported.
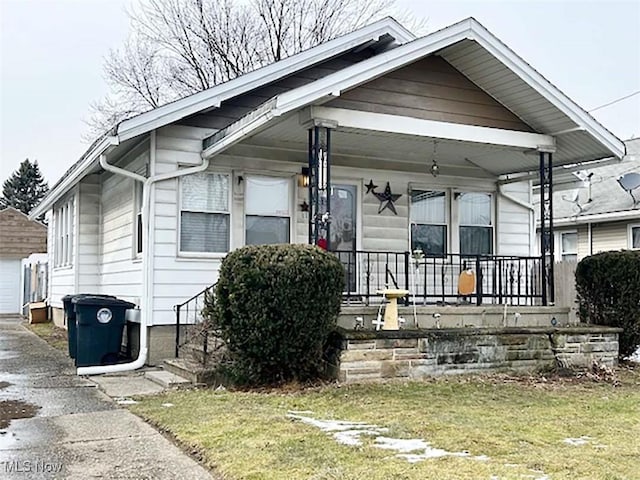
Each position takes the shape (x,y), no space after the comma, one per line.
(52,51)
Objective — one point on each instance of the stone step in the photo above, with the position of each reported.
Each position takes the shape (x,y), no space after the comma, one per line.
(192,371)
(167,379)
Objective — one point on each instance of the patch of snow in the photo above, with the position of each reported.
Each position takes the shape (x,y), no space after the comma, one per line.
(401,445)
(167,405)
(577,442)
(348,433)
(352,437)
(125,401)
(635,357)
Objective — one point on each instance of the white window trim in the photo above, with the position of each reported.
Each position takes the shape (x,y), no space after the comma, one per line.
(557,250)
(292,196)
(447,214)
(456,218)
(64,224)
(453,214)
(206,255)
(630,228)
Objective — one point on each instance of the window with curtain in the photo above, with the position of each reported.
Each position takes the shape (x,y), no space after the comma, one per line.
(635,237)
(428,214)
(204,213)
(475,224)
(267,210)
(569,246)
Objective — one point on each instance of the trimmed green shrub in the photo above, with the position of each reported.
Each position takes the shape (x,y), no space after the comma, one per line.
(608,287)
(275,306)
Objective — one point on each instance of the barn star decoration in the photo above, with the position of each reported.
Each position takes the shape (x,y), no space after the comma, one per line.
(386,200)
(371,187)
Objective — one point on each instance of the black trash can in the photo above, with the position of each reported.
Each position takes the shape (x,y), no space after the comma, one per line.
(100,323)
(70,318)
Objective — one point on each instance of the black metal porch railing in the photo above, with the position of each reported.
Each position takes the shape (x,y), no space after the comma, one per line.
(191,326)
(499,279)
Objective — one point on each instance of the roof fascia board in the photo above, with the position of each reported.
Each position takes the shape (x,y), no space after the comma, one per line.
(596,218)
(214,96)
(512,61)
(71,179)
(381,122)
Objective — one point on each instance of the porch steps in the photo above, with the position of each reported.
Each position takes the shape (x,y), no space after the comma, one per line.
(167,379)
(192,371)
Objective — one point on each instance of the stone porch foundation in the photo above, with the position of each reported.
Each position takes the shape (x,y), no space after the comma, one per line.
(368,355)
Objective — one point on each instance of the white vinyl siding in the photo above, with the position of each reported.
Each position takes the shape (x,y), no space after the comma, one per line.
(120,271)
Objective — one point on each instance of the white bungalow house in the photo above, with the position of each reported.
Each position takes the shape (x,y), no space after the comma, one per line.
(374,144)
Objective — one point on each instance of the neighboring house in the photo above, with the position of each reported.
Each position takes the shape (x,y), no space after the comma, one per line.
(597,214)
(402,143)
(19,238)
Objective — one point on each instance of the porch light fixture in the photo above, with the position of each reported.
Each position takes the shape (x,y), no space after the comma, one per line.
(303,177)
(435,170)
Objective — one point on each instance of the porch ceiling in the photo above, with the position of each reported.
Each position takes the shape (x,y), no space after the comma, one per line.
(371,149)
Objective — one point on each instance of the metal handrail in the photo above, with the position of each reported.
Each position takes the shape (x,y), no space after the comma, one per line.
(178,309)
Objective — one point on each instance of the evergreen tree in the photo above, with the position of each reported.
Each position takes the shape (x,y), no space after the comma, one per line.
(25,188)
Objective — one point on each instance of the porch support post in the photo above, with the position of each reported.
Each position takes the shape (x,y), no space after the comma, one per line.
(546,227)
(320,185)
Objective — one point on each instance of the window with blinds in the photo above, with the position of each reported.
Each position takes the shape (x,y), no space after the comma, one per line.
(475,219)
(267,208)
(204,213)
(429,222)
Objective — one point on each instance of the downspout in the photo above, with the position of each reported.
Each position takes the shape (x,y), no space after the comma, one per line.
(147,256)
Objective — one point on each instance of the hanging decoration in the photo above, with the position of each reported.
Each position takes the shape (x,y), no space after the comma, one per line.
(435,170)
(371,187)
(387,199)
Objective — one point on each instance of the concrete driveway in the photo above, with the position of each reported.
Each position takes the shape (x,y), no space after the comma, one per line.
(71,429)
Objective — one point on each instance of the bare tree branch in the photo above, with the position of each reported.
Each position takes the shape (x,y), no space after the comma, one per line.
(180,47)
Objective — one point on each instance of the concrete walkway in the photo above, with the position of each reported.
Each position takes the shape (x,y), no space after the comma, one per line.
(77,431)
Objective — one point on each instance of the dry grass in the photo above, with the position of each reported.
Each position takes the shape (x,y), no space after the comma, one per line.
(519,423)
(54,336)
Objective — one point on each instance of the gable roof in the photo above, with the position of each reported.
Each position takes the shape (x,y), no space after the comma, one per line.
(467,45)
(387,33)
(382,35)
(477,54)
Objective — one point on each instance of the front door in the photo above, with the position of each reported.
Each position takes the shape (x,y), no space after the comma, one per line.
(344,230)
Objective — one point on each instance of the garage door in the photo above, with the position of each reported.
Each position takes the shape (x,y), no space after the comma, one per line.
(9,285)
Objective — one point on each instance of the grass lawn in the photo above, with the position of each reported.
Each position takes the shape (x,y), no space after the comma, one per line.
(520,424)
(54,336)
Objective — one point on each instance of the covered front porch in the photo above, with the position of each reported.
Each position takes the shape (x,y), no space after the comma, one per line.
(412,203)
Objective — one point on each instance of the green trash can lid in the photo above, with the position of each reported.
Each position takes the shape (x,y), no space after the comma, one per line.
(102,301)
